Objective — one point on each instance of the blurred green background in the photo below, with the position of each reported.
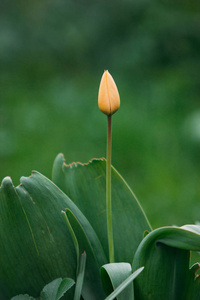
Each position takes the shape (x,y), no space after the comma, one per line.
(52,56)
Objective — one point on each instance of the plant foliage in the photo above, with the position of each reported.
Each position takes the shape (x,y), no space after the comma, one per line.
(44,226)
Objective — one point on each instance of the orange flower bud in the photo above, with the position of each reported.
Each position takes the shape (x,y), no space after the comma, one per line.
(108,98)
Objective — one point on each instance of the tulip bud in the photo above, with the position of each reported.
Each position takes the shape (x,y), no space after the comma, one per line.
(108,98)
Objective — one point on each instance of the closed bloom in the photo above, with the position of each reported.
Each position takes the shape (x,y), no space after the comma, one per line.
(108,98)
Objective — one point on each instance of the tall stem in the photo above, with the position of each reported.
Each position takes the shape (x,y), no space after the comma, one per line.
(108,190)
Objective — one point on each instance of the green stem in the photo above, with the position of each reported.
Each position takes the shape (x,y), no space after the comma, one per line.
(108,191)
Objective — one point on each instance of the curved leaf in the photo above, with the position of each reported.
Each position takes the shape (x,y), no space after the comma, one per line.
(92,287)
(113,275)
(36,246)
(165,254)
(85,185)
(123,290)
(39,184)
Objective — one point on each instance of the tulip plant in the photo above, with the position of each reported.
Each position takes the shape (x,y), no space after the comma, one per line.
(78,236)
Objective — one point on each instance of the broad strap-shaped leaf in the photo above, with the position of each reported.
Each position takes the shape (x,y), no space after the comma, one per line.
(38,183)
(36,246)
(56,289)
(85,184)
(92,287)
(165,254)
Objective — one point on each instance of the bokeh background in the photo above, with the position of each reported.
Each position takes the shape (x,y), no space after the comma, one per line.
(52,56)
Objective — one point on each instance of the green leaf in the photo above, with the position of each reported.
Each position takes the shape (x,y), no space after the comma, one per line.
(75,241)
(50,290)
(113,275)
(22,297)
(56,289)
(165,254)
(64,286)
(85,185)
(36,246)
(80,278)
(92,287)
(121,292)
(193,282)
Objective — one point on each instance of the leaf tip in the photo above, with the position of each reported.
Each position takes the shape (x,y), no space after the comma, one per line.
(7,181)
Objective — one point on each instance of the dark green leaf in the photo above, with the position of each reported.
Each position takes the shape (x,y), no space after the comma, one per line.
(92,287)
(165,254)
(36,246)
(85,185)
(76,245)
